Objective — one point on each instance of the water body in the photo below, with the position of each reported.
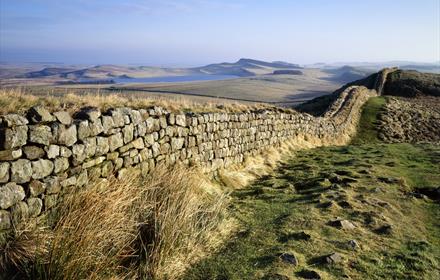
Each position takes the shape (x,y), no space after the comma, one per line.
(173,79)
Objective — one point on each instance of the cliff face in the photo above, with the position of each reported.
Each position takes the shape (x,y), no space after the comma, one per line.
(42,154)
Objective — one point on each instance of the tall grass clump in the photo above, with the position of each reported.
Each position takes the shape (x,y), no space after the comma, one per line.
(132,228)
(179,222)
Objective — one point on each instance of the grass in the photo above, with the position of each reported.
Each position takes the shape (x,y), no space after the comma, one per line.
(19,100)
(367,129)
(147,228)
(299,199)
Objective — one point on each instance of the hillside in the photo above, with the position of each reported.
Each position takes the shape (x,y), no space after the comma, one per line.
(412,84)
(363,211)
(246,67)
(347,73)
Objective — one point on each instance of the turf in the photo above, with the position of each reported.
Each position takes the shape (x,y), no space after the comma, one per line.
(370,184)
(367,129)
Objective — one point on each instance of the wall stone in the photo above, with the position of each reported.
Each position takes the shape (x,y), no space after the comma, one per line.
(42,154)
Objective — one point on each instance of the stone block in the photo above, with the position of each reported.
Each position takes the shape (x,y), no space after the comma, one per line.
(116,141)
(36,187)
(78,153)
(21,171)
(90,146)
(35,205)
(10,194)
(12,120)
(52,184)
(39,114)
(102,146)
(13,137)
(181,120)
(8,155)
(50,201)
(127,131)
(88,113)
(177,143)
(41,168)
(63,117)
(33,152)
(60,164)
(65,152)
(4,172)
(66,135)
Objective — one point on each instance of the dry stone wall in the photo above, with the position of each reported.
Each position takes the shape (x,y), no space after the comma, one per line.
(43,154)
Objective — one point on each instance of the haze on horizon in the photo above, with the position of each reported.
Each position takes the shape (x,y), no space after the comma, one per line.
(196,32)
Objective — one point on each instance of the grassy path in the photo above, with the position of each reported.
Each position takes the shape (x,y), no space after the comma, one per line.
(337,212)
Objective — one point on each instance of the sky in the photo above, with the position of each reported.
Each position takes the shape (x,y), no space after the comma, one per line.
(197,32)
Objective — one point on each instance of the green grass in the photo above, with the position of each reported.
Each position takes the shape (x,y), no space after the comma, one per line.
(367,131)
(299,197)
(368,183)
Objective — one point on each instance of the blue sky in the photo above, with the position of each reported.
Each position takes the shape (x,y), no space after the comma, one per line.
(194,32)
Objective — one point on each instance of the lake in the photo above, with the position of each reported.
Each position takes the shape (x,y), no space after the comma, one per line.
(173,79)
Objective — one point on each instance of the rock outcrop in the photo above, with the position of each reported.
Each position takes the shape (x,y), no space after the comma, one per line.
(410,120)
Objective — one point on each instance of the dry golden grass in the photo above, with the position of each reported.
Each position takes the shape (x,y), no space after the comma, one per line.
(19,100)
(148,228)
(20,247)
(181,221)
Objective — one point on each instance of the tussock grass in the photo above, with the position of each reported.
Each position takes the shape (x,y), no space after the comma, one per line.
(147,228)
(181,219)
(19,100)
(20,247)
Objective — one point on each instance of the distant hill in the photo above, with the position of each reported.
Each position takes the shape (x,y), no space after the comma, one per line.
(242,68)
(246,67)
(108,72)
(347,73)
(287,72)
(48,71)
(432,67)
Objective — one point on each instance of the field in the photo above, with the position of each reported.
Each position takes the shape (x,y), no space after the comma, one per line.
(280,89)
(254,81)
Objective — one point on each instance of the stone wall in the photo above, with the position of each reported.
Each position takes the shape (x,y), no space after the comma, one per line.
(43,154)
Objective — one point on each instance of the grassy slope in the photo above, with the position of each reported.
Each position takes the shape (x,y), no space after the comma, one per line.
(367,132)
(298,198)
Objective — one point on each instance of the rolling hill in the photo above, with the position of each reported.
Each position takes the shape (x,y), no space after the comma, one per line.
(242,68)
